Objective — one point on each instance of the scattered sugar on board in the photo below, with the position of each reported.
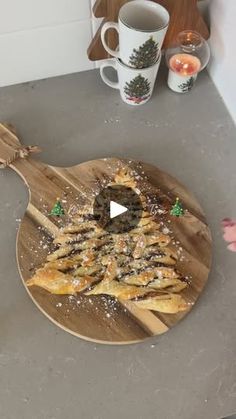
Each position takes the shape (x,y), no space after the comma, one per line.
(166,230)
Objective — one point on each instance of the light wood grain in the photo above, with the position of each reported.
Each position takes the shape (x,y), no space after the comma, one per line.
(83,316)
(184,14)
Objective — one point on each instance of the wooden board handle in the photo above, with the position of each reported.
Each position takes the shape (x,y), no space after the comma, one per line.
(11,148)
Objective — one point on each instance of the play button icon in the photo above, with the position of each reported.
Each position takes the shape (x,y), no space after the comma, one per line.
(117,209)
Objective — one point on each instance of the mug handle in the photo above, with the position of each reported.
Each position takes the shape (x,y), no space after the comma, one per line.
(105,27)
(106,64)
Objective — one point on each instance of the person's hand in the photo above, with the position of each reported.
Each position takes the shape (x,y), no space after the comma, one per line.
(229,229)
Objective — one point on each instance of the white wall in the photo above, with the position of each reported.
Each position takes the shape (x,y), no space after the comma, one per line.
(222,68)
(44,38)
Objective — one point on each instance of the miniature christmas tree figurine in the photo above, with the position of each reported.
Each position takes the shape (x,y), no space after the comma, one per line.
(186,87)
(146,55)
(57,210)
(177,209)
(138,89)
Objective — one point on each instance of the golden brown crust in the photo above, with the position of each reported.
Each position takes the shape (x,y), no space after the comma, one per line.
(60,253)
(141,243)
(118,290)
(123,177)
(57,282)
(171,304)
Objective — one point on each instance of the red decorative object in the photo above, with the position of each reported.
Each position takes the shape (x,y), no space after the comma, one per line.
(229,230)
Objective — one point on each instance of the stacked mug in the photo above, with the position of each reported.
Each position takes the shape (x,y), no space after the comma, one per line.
(142,25)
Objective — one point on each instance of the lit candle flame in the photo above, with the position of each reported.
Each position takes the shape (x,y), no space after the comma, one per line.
(185,64)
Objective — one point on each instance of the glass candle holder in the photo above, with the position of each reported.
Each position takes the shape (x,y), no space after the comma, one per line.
(185,60)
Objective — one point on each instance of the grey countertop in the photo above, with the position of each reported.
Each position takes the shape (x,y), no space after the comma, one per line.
(188,373)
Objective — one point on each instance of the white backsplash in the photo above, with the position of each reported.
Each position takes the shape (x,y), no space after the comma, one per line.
(45,38)
(222,42)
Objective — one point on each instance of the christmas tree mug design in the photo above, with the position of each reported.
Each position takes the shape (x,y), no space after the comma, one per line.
(142,27)
(135,85)
(181,84)
(146,55)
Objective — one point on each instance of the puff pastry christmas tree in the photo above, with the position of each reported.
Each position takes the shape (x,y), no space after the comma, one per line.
(139,266)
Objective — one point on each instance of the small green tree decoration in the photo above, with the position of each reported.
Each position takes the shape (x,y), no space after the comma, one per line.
(57,210)
(186,87)
(138,89)
(177,209)
(146,55)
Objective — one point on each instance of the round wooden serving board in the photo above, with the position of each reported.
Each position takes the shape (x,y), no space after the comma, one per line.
(101,318)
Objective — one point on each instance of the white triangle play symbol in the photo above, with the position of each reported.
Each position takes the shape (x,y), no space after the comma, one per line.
(116,209)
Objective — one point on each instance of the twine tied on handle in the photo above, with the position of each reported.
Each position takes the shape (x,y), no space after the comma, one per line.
(21,153)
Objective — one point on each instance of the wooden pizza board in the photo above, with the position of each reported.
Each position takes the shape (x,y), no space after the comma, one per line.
(99,318)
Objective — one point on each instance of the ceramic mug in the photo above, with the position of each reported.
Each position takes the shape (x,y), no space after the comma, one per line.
(135,85)
(141,26)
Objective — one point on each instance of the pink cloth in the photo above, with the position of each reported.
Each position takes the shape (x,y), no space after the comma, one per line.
(229,229)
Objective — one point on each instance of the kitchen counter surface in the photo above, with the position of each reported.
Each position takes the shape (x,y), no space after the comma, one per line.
(188,373)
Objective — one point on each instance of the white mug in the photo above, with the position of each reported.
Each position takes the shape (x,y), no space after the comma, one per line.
(135,85)
(142,25)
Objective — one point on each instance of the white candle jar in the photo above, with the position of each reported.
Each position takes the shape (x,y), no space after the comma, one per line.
(180,84)
(185,60)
